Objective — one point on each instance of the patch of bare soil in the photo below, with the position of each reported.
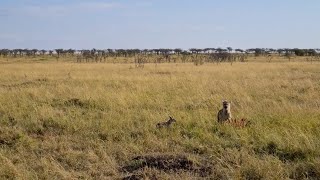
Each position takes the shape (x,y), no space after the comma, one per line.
(167,163)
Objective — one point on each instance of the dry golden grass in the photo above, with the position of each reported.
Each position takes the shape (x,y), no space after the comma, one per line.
(63,120)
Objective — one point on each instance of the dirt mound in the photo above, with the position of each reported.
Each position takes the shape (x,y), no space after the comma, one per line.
(168,163)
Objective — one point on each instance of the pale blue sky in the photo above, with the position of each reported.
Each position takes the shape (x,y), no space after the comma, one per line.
(141,24)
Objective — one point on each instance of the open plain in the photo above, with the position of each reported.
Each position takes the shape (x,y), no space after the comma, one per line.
(67,120)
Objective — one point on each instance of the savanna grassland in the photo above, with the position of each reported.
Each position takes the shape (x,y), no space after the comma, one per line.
(65,120)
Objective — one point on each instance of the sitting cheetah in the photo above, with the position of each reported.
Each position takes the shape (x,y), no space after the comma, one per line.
(167,123)
(225,113)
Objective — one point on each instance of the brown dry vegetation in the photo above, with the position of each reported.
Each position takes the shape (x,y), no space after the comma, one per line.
(62,120)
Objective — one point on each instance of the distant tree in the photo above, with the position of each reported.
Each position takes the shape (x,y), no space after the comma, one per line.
(270,51)
(239,50)
(311,52)
(70,51)
(206,50)
(42,52)
(20,52)
(213,49)
(257,51)
(144,51)
(193,50)
(299,52)
(157,51)
(4,52)
(59,52)
(15,52)
(288,54)
(220,50)
(177,51)
(139,51)
(34,52)
(280,51)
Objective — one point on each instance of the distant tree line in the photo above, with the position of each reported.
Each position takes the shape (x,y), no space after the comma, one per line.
(163,55)
(178,51)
